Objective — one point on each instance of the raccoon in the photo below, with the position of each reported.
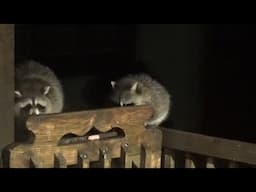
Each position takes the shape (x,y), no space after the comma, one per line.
(37,91)
(141,89)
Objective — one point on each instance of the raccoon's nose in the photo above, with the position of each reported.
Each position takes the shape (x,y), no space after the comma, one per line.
(37,111)
(34,111)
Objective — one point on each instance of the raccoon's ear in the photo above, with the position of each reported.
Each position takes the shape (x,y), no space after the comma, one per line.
(113,84)
(17,94)
(134,86)
(46,90)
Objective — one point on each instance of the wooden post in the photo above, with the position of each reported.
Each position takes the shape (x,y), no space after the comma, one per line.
(6,84)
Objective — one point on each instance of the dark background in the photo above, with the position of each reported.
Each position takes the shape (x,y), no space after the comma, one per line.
(206,67)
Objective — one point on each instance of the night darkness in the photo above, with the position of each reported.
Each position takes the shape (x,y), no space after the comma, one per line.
(207,68)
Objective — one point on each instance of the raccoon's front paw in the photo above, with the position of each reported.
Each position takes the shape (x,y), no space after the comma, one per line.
(147,125)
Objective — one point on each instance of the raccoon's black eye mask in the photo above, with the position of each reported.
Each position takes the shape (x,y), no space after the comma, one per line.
(27,108)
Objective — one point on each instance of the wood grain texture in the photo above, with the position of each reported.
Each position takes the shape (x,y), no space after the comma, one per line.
(49,129)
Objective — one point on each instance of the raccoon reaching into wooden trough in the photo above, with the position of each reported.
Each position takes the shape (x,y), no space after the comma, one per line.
(141,89)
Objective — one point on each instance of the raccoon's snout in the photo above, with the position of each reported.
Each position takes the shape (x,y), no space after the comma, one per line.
(34,111)
(126,104)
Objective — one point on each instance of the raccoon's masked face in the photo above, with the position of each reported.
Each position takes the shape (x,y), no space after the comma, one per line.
(32,104)
(130,94)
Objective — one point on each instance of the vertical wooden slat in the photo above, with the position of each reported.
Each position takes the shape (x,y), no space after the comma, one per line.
(6,84)
(129,157)
(157,153)
(145,157)
(83,160)
(125,159)
(189,162)
(59,161)
(169,161)
(233,164)
(149,158)
(105,158)
(210,163)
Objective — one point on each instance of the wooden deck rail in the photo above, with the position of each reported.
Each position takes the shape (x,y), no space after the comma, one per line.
(205,151)
(134,145)
(130,143)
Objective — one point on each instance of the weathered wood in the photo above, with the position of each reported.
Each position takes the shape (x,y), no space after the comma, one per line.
(168,161)
(105,158)
(189,161)
(210,146)
(49,130)
(149,158)
(36,162)
(59,161)
(168,158)
(210,163)
(151,151)
(6,84)
(146,157)
(83,160)
(129,156)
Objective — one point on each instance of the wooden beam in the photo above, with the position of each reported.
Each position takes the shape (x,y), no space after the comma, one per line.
(6,84)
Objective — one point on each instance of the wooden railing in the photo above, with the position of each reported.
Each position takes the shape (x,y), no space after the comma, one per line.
(189,150)
(114,137)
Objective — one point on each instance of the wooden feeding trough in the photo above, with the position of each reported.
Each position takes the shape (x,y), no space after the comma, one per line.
(114,137)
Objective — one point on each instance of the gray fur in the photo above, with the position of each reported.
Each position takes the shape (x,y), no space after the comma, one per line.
(37,90)
(141,89)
